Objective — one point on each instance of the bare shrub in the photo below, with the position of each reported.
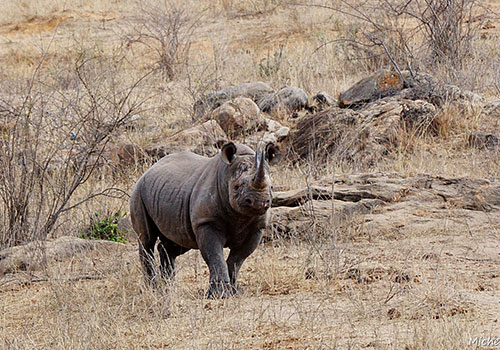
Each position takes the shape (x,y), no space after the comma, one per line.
(166,30)
(55,143)
(413,34)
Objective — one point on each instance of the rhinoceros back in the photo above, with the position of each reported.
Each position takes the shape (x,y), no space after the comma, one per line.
(165,190)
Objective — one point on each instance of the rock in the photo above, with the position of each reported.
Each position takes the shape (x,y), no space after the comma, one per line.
(237,117)
(34,255)
(419,115)
(254,90)
(269,131)
(279,131)
(381,84)
(483,140)
(204,139)
(386,204)
(407,86)
(359,136)
(322,99)
(423,86)
(332,135)
(289,99)
(296,221)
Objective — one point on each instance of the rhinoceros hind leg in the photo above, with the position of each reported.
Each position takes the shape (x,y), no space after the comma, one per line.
(168,251)
(146,255)
(147,233)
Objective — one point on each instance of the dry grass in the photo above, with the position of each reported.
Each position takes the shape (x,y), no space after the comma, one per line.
(279,308)
(351,290)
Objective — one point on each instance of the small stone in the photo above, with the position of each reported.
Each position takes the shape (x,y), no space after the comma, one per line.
(324,100)
(393,313)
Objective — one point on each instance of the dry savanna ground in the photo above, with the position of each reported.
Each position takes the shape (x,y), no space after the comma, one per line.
(334,285)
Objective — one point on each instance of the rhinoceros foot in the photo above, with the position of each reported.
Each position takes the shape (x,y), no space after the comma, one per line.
(219,290)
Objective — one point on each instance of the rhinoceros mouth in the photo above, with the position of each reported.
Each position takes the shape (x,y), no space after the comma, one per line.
(255,207)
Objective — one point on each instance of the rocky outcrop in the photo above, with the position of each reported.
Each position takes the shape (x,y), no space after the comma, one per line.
(34,255)
(410,86)
(204,139)
(254,91)
(381,84)
(387,204)
(364,135)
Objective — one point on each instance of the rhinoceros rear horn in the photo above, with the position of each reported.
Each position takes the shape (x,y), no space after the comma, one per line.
(260,174)
(227,153)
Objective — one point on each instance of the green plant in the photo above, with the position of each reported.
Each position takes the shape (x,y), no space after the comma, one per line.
(105,228)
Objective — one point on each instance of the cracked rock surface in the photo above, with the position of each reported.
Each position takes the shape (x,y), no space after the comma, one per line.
(390,203)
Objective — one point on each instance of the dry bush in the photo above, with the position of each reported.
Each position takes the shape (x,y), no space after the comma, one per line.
(55,144)
(166,30)
(416,34)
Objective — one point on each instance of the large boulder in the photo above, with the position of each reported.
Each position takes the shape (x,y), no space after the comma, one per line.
(381,84)
(387,204)
(359,136)
(408,86)
(254,91)
(204,139)
(289,99)
(34,255)
(237,117)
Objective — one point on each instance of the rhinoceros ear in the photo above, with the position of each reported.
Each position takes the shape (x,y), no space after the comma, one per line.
(273,153)
(227,153)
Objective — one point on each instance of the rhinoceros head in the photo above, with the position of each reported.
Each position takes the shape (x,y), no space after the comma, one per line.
(249,185)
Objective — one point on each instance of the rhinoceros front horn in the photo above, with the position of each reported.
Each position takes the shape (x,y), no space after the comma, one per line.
(259,179)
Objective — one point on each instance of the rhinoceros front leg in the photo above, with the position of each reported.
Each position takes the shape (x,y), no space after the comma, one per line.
(238,255)
(211,247)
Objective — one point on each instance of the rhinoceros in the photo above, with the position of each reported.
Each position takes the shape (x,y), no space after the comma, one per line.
(194,202)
